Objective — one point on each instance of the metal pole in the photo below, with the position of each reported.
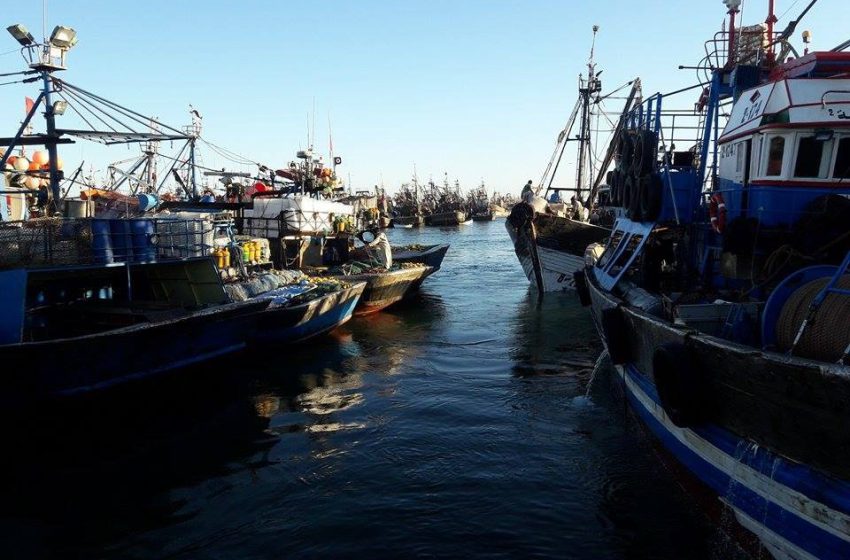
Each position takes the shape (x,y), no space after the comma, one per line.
(192,159)
(50,141)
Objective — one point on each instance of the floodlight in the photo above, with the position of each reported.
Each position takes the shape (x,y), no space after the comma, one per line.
(59,107)
(63,37)
(807,36)
(732,4)
(21,35)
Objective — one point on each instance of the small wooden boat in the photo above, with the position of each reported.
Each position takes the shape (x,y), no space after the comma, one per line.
(430,255)
(483,216)
(290,321)
(386,288)
(407,221)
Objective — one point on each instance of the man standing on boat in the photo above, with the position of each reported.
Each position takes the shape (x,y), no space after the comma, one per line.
(527,192)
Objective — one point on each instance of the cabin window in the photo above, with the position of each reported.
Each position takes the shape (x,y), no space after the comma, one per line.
(775,150)
(739,158)
(809,157)
(841,169)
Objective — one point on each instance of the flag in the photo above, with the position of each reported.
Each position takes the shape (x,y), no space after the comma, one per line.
(28,103)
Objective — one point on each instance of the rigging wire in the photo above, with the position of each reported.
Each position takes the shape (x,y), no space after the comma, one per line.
(788,10)
(71,105)
(125,111)
(85,104)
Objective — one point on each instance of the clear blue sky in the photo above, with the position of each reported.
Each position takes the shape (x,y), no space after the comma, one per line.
(475,88)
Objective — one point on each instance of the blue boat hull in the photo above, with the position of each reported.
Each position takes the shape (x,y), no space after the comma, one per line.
(288,325)
(795,510)
(86,364)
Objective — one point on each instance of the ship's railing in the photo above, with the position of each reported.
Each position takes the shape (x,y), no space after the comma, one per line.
(90,241)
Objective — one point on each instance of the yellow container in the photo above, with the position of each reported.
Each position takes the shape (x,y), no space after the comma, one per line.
(225,257)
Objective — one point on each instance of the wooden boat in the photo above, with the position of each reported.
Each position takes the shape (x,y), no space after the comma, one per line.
(408,221)
(550,237)
(452,218)
(293,322)
(386,288)
(483,216)
(431,255)
(550,248)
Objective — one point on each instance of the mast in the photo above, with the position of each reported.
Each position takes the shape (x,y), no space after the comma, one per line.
(591,86)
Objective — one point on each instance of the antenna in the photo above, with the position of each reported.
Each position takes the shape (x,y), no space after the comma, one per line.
(313,128)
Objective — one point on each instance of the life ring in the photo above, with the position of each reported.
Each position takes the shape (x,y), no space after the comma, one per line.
(650,197)
(717,212)
(681,385)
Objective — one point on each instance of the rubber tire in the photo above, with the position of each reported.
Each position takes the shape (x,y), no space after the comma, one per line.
(627,191)
(684,395)
(625,149)
(616,335)
(634,200)
(645,153)
(650,197)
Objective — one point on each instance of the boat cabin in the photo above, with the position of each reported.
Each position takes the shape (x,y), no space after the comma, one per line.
(786,144)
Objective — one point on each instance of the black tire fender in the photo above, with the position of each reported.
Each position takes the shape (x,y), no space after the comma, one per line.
(681,384)
(650,197)
(616,335)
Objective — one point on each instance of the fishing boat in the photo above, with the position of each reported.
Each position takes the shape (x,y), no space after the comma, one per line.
(296,313)
(386,287)
(430,255)
(722,294)
(407,207)
(445,206)
(479,204)
(548,235)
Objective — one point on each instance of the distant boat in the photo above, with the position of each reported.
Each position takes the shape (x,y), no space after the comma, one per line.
(487,216)
(409,221)
(449,218)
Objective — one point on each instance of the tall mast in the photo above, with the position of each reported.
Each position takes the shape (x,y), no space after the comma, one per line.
(584,134)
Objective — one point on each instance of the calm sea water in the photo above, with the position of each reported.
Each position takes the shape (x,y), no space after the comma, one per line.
(460,424)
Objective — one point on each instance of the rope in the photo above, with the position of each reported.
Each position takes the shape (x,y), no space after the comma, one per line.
(828,333)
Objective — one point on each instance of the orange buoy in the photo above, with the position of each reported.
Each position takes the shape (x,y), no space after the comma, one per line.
(40,157)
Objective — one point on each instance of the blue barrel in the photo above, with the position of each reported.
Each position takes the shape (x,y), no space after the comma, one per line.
(101,242)
(147,201)
(144,238)
(122,239)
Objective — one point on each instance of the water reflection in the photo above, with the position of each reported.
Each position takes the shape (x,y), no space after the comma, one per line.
(555,336)
(91,471)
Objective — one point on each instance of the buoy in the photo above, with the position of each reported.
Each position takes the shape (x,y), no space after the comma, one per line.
(32,182)
(40,157)
(34,166)
(22,164)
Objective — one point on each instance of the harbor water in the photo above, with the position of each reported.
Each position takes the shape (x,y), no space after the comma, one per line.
(468,422)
